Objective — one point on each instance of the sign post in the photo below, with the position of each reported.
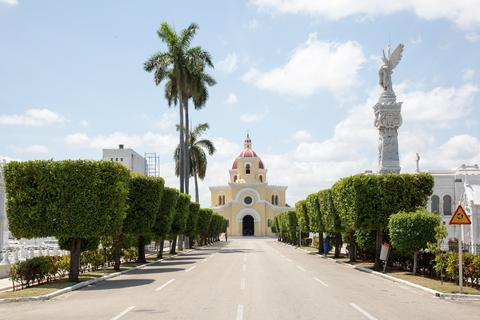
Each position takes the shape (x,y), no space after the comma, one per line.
(460,217)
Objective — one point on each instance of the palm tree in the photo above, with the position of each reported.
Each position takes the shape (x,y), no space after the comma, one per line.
(181,67)
(198,158)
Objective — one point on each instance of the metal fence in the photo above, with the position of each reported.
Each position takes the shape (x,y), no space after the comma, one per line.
(470,247)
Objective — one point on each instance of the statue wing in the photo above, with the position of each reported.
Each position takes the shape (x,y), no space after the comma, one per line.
(396,56)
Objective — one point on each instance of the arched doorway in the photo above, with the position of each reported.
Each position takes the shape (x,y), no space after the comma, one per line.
(247,226)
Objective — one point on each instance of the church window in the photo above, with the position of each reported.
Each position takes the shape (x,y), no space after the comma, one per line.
(447,205)
(276,200)
(260,178)
(219,200)
(235,178)
(247,168)
(248,200)
(435,204)
(223,199)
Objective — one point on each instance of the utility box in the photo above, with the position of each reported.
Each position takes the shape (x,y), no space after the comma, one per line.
(384,252)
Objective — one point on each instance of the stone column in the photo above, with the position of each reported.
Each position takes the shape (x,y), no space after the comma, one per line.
(388,119)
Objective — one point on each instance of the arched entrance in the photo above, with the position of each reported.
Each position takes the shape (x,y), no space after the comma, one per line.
(247,226)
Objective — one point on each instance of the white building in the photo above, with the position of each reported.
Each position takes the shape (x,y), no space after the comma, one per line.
(126,156)
(454,187)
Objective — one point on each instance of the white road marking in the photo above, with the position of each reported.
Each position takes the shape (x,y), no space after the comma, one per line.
(244,267)
(124,312)
(165,284)
(365,313)
(320,281)
(204,260)
(190,269)
(240,312)
(282,256)
(289,260)
(300,268)
(242,284)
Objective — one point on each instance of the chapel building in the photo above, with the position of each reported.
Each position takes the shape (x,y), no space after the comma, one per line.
(248,202)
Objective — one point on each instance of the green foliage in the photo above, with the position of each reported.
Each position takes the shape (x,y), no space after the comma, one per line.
(35,269)
(166,212)
(144,198)
(302,215)
(412,231)
(192,223)
(365,240)
(315,215)
(330,218)
(218,224)
(86,243)
(180,217)
(203,223)
(71,198)
(287,225)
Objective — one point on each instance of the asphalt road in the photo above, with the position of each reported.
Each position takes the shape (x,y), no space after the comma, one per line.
(248,278)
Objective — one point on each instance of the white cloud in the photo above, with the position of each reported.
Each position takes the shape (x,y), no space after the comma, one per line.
(33,149)
(84,123)
(253,117)
(232,98)
(439,106)
(301,135)
(468,74)
(313,65)
(472,36)
(464,13)
(32,117)
(167,120)
(417,40)
(163,144)
(76,138)
(9,2)
(252,24)
(229,64)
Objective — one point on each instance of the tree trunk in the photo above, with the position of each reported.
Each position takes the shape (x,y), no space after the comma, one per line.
(378,248)
(352,252)
(160,251)
(182,149)
(74,260)
(338,244)
(180,242)
(197,199)
(187,149)
(173,248)
(320,242)
(415,262)
(117,252)
(141,249)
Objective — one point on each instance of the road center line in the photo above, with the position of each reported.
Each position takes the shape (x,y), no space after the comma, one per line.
(165,284)
(240,312)
(190,269)
(365,313)
(320,281)
(300,268)
(124,312)
(289,260)
(242,284)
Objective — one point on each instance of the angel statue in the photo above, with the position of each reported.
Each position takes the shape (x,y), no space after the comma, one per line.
(389,63)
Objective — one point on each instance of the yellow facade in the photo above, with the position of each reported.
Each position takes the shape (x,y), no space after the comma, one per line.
(248,201)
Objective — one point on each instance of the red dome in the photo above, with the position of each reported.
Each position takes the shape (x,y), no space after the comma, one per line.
(235,165)
(247,153)
(260,165)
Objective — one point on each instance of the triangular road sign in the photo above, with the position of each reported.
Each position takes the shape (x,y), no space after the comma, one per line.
(460,217)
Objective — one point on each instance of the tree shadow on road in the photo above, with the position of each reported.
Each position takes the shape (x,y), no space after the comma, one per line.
(119,284)
(154,270)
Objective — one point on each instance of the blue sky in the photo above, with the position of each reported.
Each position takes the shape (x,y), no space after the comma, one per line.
(301,76)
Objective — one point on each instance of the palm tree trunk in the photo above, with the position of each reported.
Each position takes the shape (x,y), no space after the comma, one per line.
(182,149)
(197,200)
(187,150)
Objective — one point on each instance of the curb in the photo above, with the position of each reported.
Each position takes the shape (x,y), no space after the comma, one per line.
(435,293)
(86,283)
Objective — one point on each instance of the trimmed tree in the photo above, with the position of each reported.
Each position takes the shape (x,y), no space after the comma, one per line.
(411,231)
(144,198)
(192,223)
(66,199)
(165,216)
(302,217)
(180,218)
(331,219)
(315,218)
(203,223)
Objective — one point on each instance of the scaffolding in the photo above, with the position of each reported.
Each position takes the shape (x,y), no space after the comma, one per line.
(152,168)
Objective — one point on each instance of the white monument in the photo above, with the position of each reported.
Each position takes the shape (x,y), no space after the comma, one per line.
(4,233)
(388,116)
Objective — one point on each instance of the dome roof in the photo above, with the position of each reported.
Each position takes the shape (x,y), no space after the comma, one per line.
(247,153)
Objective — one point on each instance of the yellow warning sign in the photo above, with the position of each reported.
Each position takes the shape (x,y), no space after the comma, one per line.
(460,217)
